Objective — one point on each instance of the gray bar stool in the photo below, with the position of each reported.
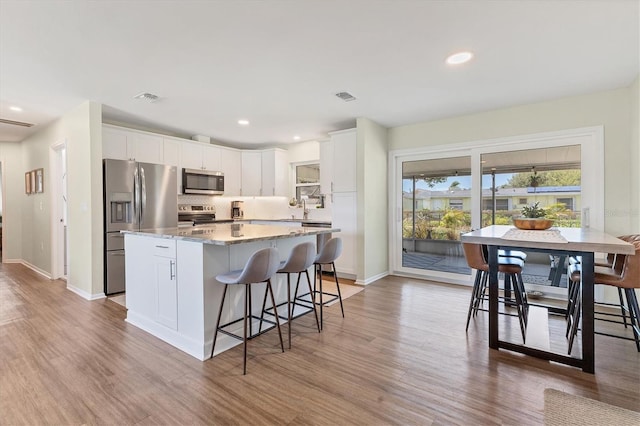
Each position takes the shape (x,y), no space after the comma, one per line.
(260,267)
(300,259)
(327,256)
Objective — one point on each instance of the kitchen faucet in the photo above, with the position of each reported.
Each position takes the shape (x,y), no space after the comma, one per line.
(305,211)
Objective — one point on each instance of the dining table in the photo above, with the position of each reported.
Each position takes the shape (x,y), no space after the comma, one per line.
(557,241)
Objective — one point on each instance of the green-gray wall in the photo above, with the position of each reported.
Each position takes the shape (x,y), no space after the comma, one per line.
(613,109)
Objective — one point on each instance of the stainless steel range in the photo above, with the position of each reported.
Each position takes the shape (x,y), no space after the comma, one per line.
(198,214)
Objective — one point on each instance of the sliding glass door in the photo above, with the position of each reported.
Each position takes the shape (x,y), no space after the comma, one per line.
(436,209)
(443,192)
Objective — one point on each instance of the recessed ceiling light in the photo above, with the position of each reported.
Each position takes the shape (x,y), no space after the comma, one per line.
(15,108)
(243,122)
(296,138)
(459,58)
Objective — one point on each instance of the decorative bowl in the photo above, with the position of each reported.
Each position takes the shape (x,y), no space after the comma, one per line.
(532,224)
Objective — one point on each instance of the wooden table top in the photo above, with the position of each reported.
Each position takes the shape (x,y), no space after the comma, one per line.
(578,239)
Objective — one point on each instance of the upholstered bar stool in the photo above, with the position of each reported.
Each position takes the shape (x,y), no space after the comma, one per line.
(511,267)
(327,256)
(260,267)
(300,260)
(625,276)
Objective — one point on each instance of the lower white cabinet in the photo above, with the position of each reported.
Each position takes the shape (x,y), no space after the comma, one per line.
(166,290)
(156,298)
(344,217)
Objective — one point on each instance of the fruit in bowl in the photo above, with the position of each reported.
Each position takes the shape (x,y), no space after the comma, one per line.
(533,218)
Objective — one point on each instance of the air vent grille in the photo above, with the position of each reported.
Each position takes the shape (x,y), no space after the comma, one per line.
(346,96)
(149,97)
(15,123)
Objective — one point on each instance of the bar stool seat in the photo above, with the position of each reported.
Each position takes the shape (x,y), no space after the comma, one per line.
(300,260)
(260,267)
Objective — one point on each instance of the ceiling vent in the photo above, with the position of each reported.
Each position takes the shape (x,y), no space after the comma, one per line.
(149,97)
(15,123)
(346,96)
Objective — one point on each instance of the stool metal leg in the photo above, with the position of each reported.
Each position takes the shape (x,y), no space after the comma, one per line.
(215,333)
(335,276)
(289,310)
(275,312)
(315,312)
(247,299)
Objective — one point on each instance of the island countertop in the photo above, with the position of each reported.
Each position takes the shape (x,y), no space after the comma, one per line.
(224,234)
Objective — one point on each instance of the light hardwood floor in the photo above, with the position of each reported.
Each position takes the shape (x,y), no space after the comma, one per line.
(401,356)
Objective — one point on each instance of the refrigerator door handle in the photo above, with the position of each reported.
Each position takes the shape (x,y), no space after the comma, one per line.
(136,197)
(143,194)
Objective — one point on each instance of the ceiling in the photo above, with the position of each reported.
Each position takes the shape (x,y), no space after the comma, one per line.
(279,64)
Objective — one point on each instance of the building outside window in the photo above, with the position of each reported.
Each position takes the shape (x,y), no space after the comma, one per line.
(568,203)
(308,182)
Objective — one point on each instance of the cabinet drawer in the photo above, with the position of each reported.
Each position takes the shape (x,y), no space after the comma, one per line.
(163,247)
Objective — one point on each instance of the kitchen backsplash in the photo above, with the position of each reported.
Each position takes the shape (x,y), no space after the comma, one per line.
(256,207)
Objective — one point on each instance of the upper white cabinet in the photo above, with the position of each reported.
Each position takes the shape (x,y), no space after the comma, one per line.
(251,173)
(231,166)
(344,160)
(247,172)
(171,149)
(200,156)
(265,172)
(123,144)
(326,167)
(275,172)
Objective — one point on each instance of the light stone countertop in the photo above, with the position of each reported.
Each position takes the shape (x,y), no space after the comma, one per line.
(224,234)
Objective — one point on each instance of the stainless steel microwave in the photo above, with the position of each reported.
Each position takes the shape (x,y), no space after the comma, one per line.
(206,182)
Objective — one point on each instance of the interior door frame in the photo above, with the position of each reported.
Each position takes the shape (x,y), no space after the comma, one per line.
(590,139)
(58,254)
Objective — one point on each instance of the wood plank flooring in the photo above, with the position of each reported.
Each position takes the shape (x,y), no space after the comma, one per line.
(401,356)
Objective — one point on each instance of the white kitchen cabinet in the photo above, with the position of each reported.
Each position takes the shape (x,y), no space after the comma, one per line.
(231,166)
(114,143)
(251,173)
(344,217)
(344,160)
(171,148)
(164,264)
(122,144)
(275,172)
(326,166)
(200,156)
(154,298)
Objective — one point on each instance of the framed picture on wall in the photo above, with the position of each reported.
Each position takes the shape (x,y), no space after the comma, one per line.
(39,183)
(27,183)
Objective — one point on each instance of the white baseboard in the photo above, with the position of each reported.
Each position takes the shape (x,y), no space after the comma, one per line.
(372,279)
(85,295)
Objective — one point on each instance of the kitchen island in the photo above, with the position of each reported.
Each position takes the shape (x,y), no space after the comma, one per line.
(171,288)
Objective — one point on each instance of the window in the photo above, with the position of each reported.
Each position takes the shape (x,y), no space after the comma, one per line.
(522,201)
(501,204)
(455,204)
(308,182)
(568,203)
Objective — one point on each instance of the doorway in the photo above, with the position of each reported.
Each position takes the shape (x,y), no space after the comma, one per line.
(59,240)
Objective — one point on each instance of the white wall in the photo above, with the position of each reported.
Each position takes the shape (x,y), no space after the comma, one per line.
(372,181)
(635,155)
(612,109)
(13,192)
(81,129)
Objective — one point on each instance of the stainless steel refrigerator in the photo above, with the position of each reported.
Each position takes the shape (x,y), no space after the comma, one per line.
(137,196)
